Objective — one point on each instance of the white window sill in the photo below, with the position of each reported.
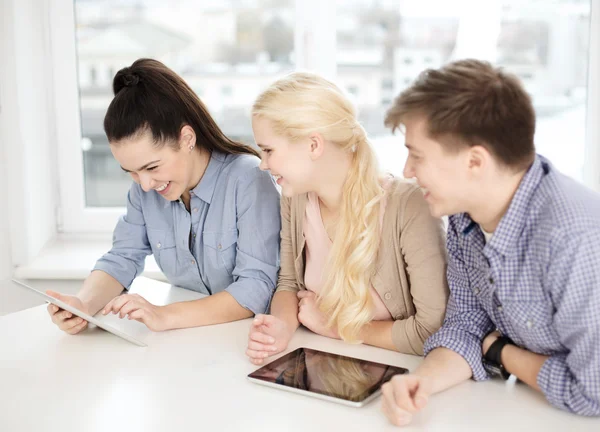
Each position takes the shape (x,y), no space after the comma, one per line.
(70,256)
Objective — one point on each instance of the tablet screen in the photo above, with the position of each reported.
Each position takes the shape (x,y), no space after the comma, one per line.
(328,374)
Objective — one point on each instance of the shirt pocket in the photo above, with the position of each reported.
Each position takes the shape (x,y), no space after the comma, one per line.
(221,249)
(532,326)
(163,247)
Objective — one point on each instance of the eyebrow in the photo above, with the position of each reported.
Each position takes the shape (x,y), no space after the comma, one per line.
(408,146)
(144,167)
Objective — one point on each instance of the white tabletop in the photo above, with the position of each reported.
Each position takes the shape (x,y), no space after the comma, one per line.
(195,379)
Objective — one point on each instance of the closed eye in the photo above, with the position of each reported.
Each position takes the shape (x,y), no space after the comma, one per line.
(151,168)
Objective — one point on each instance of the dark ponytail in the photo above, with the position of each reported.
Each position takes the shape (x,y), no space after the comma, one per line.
(150,96)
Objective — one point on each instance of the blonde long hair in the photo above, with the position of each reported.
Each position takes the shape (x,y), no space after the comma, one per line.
(304,103)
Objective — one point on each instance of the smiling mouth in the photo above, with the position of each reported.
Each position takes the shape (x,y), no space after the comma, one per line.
(163,188)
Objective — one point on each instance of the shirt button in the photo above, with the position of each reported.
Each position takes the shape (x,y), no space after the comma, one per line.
(529,324)
(399,317)
(193,262)
(492,280)
(499,308)
(195,210)
(387,296)
(476,290)
(219,246)
(158,245)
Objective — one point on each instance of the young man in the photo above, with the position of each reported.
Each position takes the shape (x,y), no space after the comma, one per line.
(523,244)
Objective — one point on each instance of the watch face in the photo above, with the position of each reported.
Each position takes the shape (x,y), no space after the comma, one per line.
(492,369)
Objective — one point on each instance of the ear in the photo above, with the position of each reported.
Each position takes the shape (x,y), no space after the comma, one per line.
(187,138)
(479,159)
(317,145)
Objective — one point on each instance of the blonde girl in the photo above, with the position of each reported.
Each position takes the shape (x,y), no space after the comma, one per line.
(362,259)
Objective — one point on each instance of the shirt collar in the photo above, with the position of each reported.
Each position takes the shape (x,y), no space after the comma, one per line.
(512,224)
(206,187)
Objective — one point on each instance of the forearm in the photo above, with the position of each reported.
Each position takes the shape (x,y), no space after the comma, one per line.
(379,334)
(285,307)
(552,377)
(523,364)
(98,289)
(215,309)
(444,368)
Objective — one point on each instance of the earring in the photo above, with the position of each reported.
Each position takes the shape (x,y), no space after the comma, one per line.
(191,147)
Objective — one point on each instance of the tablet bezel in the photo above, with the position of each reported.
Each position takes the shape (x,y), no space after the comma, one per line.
(90,319)
(370,394)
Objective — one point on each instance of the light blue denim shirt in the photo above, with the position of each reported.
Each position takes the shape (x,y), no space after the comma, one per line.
(234,221)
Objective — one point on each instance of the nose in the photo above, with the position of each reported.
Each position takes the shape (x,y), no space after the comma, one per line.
(146,182)
(264,166)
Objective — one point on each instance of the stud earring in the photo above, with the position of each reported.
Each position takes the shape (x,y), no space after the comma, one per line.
(191,147)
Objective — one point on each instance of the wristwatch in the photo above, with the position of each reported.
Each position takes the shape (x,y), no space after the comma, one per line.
(492,360)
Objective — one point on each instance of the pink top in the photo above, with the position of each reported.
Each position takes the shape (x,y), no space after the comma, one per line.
(318,245)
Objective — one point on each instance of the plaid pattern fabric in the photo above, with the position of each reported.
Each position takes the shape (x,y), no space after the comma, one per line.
(537,281)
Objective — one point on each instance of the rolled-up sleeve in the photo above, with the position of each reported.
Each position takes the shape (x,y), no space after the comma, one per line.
(571,380)
(125,261)
(257,257)
(466,322)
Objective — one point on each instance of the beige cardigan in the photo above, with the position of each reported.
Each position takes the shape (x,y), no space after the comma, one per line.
(411,275)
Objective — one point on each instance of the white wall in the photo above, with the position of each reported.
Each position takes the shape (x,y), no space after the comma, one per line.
(28,195)
(5,255)
(5,250)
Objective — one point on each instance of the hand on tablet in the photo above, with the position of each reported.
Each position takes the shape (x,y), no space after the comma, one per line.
(403,396)
(63,319)
(136,307)
(268,336)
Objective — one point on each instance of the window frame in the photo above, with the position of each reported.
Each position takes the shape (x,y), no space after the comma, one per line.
(315,48)
(73,215)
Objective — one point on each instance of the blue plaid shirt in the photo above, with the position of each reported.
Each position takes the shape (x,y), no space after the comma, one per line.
(537,281)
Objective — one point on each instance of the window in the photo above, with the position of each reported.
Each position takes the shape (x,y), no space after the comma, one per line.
(546,44)
(93,76)
(229,51)
(226,91)
(387,84)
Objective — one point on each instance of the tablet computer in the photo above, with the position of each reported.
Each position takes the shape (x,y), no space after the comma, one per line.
(90,319)
(327,376)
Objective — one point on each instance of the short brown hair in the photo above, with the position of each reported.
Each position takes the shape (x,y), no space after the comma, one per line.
(473,103)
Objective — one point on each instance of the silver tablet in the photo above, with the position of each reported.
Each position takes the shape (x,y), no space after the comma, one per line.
(327,376)
(90,319)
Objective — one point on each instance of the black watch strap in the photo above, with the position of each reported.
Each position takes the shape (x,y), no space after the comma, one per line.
(494,352)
